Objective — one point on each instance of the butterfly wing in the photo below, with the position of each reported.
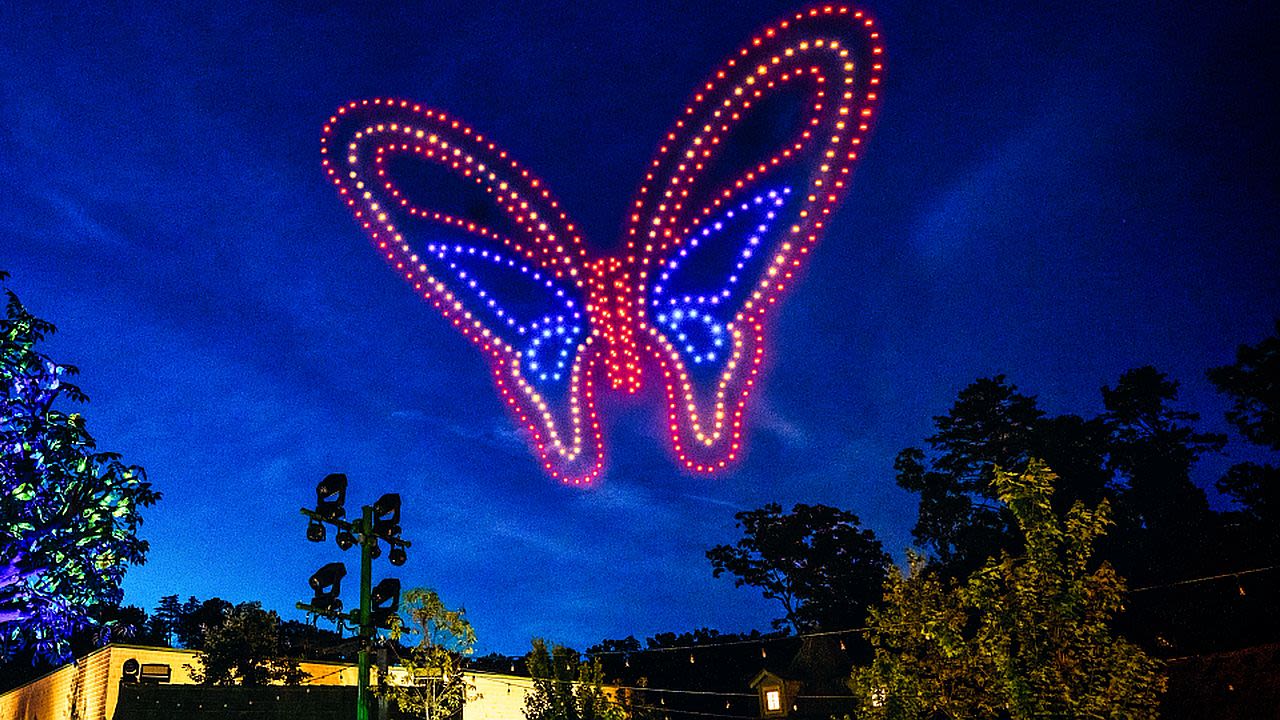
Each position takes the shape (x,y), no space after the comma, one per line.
(740,191)
(485,243)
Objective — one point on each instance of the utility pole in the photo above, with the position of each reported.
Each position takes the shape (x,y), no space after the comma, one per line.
(378,603)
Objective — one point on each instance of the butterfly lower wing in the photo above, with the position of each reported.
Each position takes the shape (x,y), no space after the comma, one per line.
(502,266)
(820,71)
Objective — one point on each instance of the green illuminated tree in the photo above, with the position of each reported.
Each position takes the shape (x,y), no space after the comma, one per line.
(434,685)
(69,514)
(567,688)
(1027,635)
(817,561)
(923,666)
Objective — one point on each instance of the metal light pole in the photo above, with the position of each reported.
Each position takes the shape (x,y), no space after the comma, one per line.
(380,521)
(368,541)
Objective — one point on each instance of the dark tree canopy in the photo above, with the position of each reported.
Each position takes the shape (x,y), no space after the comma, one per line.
(1253,384)
(1138,454)
(69,513)
(196,617)
(244,648)
(1164,527)
(991,425)
(817,561)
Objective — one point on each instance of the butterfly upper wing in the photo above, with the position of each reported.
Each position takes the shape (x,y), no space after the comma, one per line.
(732,206)
(505,267)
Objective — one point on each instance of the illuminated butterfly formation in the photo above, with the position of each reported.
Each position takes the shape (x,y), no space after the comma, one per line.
(725,217)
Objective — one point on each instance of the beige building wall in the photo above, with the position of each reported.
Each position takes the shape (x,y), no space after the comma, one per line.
(501,697)
(89,689)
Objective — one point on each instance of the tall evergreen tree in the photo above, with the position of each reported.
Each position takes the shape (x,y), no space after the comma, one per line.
(1252,383)
(1165,529)
(992,424)
(565,687)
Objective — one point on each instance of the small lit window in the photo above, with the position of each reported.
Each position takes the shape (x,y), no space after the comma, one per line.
(773,700)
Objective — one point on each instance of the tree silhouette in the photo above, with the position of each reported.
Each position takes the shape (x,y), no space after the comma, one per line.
(817,561)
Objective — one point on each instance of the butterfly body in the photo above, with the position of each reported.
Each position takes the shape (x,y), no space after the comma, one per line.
(710,245)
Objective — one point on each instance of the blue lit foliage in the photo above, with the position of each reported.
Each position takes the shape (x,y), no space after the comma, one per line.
(704,285)
(68,513)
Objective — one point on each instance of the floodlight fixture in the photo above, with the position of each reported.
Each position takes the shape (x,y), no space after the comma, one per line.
(384,601)
(328,576)
(130,670)
(327,584)
(397,556)
(386,515)
(345,539)
(315,530)
(331,494)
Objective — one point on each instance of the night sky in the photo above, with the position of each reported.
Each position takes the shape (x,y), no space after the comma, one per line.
(1055,193)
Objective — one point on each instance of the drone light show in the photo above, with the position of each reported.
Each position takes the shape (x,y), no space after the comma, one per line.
(726,215)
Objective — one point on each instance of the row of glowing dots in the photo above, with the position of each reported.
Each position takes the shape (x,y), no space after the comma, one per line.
(544,448)
(613,305)
(768,283)
(690,401)
(542,406)
(516,207)
(731,366)
(685,385)
(830,154)
(469,317)
(456,160)
(715,140)
(706,151)
(353,148)
(568,452)
(546,328)
(682,307)
(776,200)
(738,91)
(706,439)
(703,146)
(874,80)
(533,395)
(441,118)
(709,440)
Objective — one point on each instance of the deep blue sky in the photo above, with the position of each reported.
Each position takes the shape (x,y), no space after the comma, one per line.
(1057,194)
